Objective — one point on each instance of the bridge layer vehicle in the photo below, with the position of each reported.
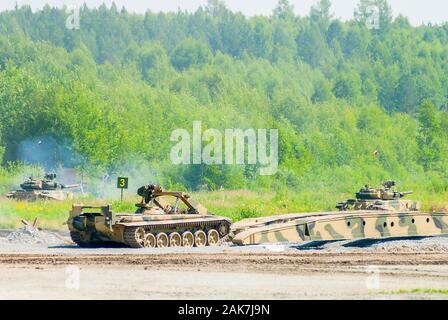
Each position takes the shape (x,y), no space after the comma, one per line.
(375,214)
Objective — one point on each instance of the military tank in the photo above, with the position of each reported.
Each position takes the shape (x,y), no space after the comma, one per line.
(162,219)
(376,213)
(383,198)
(47,188)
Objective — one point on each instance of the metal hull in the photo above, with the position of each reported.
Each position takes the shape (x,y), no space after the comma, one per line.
(297,228)
(91,226)
(35,195)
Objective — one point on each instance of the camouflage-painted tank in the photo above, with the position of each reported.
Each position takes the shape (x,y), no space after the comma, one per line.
(47,188)
(162,219)
(378,214)
(383,198)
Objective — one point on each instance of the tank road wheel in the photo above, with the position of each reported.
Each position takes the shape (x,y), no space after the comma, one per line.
(213,237)
(223,229)
(162,240)
(150,241)
(175,240)
(135,237)
(77,238)
(187,239)
(200,238)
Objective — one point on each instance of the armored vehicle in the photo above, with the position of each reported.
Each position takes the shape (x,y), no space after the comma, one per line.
(162,219)
(376,214)
(47,188)
(383,198)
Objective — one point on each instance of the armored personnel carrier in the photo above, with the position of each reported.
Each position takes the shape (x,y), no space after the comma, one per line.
(47,188)
(162,219)
(383,198)
(374,214)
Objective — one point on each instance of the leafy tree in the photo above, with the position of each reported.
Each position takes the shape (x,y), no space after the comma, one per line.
(312,47)
(322,91)
(215,7)
(2,149)
(347,86)
(407,95)
(355,43)
(335,32)
(154,64)
(190,52)
(284,10)
(111,93)
(262,45)
(321,13)
(428,138)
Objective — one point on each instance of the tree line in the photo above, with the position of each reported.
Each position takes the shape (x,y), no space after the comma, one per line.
(351,103)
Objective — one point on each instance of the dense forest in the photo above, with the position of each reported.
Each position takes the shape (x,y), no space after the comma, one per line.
(352,104)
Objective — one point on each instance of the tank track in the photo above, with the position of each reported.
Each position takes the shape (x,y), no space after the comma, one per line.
(129,237)
(228,238)
(130,240)
(214,224)
(76,238)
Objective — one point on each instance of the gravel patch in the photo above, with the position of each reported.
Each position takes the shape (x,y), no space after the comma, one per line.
(32,236)
(28,239)
(406,245)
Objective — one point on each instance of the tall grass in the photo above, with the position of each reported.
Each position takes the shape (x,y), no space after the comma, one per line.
(235,205)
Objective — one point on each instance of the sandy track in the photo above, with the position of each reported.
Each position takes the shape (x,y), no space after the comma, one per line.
(232,275)
(367,270)
(272,262)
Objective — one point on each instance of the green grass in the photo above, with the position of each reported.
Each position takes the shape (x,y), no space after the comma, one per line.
(420,291)
(51,214)
(236,205)
(243,204)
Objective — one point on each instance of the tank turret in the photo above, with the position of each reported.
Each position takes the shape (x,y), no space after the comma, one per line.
(46,188)
(382,198)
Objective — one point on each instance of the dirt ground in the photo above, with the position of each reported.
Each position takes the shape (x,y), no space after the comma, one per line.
(376,270)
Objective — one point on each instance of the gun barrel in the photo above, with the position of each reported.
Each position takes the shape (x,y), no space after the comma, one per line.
(70,186)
